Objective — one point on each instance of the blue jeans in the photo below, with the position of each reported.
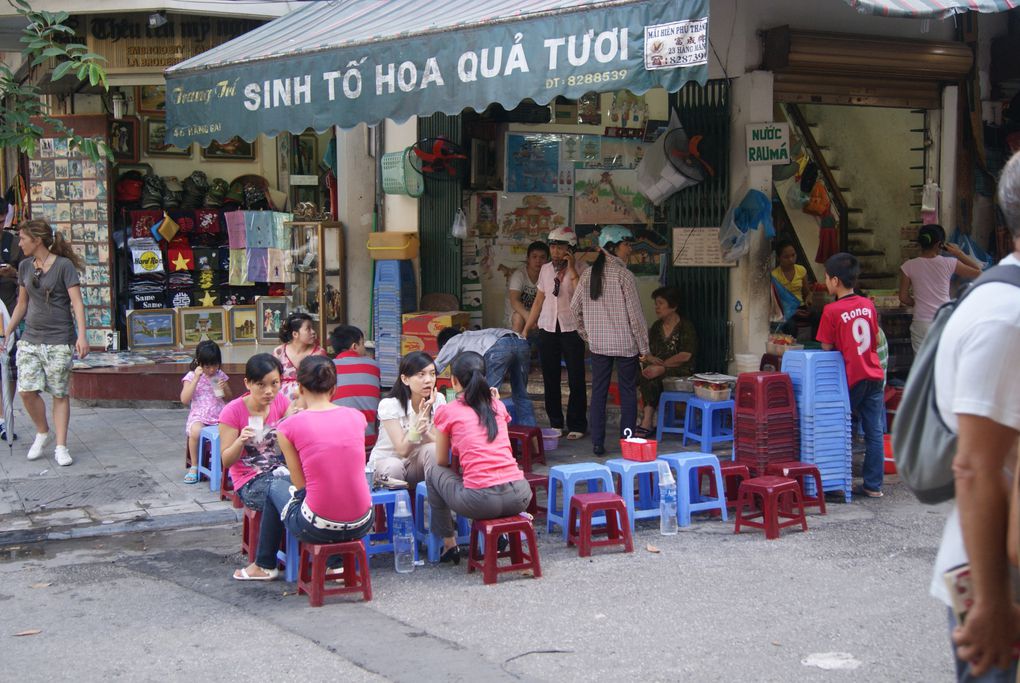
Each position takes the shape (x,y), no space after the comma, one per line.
(866,400)
(271,531)
(963,674)
(512,354)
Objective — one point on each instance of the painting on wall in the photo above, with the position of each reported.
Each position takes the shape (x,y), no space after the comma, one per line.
(605,197)
(243,325)
(532,216)
(270,314)
(198,324)
(151,329)
(485,214)
(532,163)
(651,242)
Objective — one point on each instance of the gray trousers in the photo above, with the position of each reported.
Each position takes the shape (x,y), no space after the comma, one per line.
(447,492)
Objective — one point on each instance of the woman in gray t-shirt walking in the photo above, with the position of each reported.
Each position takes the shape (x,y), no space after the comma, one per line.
(48,291)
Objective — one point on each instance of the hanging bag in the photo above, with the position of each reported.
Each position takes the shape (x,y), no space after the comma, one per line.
(459,229)
(818,202)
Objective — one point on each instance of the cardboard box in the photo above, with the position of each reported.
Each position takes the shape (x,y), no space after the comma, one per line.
(431,323)
(410,343)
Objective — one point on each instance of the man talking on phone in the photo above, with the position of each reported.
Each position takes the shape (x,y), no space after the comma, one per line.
(976,372)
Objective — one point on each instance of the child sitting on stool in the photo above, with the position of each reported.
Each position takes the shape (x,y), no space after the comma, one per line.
(205,391)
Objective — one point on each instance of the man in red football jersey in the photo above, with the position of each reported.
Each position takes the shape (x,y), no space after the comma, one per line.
(850,325)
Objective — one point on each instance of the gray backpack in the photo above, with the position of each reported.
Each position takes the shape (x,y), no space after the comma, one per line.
(923,444)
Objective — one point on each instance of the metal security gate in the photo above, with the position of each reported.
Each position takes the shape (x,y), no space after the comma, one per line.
(440,251)
(706,111)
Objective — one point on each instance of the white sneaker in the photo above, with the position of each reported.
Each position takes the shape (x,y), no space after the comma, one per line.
(36,451)
(62,456)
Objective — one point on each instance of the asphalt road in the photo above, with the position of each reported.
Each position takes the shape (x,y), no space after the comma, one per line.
(710,606)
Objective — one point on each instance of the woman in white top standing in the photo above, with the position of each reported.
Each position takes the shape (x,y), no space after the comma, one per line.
(925,281)
(405,442)
(49,293)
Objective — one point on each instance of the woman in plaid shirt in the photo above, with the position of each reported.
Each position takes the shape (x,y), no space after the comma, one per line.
(609,319)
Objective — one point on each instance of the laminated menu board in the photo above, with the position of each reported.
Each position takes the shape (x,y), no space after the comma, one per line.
(693,247)
(72,193)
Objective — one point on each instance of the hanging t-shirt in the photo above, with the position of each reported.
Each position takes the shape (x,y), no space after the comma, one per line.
(850,325)
(236,229)
(146,260)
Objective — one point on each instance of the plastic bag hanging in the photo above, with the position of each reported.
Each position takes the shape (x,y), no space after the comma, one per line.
(459,229)
(753,210)
(930,203)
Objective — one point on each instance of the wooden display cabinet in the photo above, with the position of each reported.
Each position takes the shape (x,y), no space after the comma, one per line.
(320,283)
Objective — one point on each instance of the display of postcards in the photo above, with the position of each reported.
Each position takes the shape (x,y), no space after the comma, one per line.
(64,229)
(103,252)
(41,169)
(100,189)
(77,212)
(60,148)
(96,337)
(88,168)
(97,317)
(97,275)
(91,254)
(96,296)
(88,189)
(79,249)
(43,191)
(74,169)
(60,169)
(90,211)
(44,210)
(83,232)
(62,212)
(46,148)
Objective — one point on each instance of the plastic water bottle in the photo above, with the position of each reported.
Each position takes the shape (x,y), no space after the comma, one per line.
(403,539)
(667,501)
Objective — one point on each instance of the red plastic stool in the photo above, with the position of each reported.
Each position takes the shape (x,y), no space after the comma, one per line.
(527,441)
(250,531)
(490,530)
(801,471)
(226,485)
(353,578)
(770,489)
(536,481)
(732,474)
(583,506)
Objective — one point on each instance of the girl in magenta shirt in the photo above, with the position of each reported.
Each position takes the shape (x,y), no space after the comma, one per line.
(326,499)
(474,426)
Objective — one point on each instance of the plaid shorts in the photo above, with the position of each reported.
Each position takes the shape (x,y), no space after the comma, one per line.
(44,367)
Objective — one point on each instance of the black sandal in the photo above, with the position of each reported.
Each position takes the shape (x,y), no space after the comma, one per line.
(451,555)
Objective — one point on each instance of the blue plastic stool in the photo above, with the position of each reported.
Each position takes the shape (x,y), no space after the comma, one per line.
(665,415)
(210,435)
(567,477)
(291,557)
(706,422)
(646,505)
(689,498)
(434,544)
(382,541)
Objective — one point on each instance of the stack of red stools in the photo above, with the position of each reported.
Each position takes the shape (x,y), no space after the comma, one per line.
(765,423)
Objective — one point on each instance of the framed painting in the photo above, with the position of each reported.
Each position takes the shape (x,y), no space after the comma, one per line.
(150,99)
(243,326)
(234,148)
(155,143)
(124,136)
(270,314)
(197,323)
(154,328)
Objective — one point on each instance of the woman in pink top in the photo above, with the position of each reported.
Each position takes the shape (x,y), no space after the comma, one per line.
(474,426)
(300,340)
(928,276)
(326,499)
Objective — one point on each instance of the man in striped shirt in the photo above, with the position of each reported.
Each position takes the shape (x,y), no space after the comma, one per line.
(357,377)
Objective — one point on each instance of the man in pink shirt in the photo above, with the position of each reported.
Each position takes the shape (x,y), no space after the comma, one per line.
(558,338)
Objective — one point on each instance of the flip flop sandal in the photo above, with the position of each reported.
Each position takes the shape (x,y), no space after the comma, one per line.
(242,575)
(192,476)
(574,436)
(643,433)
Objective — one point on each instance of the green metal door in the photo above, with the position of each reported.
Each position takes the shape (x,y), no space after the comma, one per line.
(705,111)
(440,251)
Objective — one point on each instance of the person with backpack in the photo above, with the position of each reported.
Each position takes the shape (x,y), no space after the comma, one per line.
(850,325)
(975,376)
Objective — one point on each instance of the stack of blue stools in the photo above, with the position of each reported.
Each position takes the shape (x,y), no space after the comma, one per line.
(823,403)
(393,294)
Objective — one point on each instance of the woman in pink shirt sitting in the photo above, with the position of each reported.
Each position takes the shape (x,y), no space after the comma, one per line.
(474,426)
(326,499)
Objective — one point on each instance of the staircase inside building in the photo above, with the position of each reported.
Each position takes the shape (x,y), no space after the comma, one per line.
(879,263)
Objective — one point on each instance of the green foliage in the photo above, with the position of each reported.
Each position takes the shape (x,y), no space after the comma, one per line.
(43,40)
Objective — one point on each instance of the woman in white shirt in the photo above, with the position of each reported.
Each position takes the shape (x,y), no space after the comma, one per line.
(405,416)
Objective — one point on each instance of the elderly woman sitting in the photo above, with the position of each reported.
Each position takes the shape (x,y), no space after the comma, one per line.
(673,343)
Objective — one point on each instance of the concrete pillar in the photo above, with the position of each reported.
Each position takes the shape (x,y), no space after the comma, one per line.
(749,280)
(356,205)
(947,157)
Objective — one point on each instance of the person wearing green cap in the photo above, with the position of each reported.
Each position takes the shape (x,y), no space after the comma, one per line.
(609,318)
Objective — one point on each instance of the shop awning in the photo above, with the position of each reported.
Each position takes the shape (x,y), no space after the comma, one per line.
(347,62)
(920,9)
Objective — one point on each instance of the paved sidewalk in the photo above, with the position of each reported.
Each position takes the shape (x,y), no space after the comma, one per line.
(128,468)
